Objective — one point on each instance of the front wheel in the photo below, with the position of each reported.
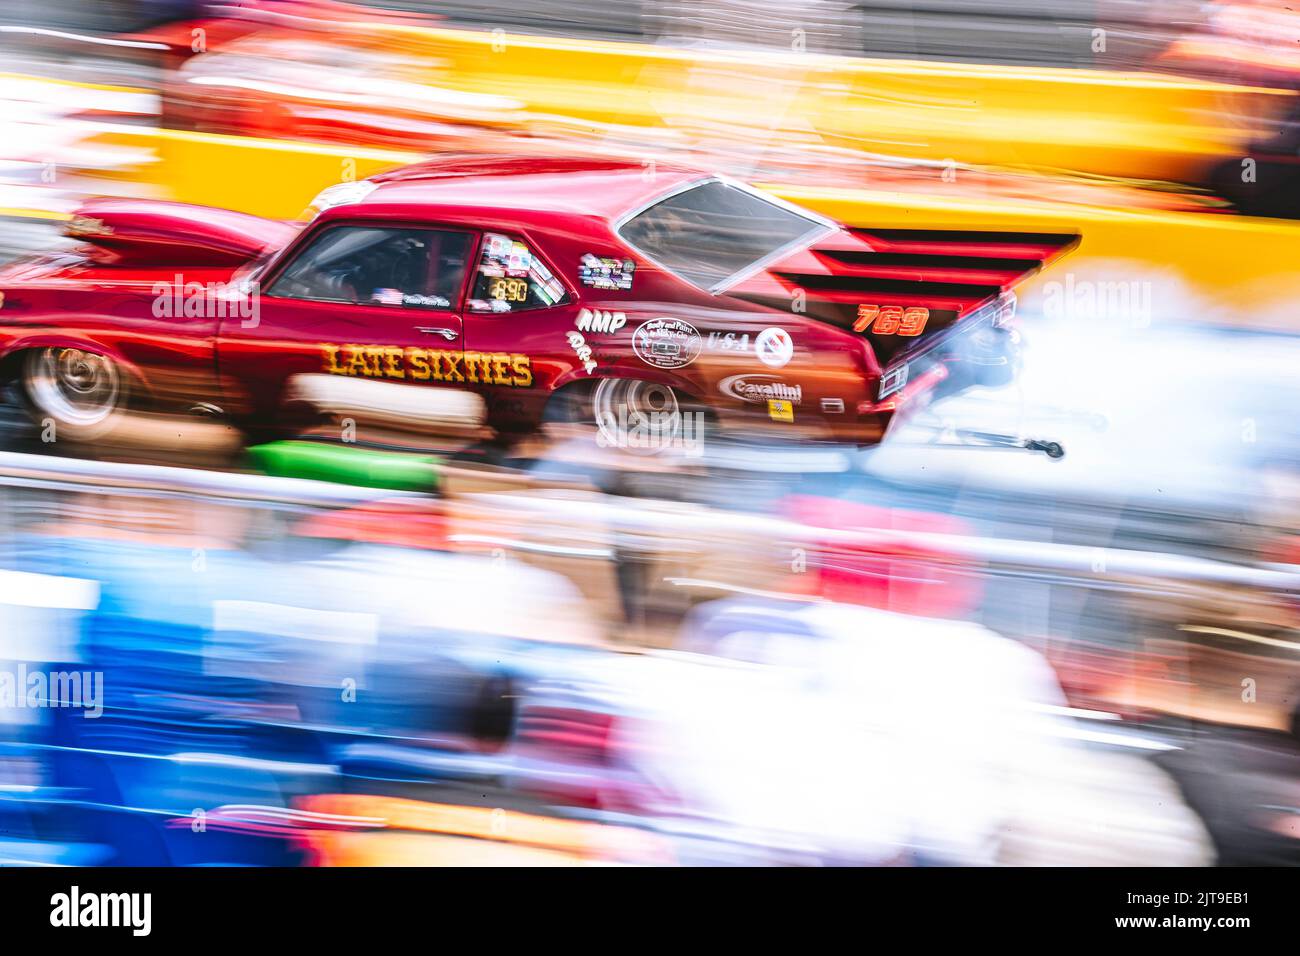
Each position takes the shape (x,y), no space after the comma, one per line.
(82,393)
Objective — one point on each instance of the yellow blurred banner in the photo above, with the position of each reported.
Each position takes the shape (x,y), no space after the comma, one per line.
(265,177)
(1121,125)
(1134,125)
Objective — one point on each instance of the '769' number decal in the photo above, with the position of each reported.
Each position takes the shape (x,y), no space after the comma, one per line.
(892,319)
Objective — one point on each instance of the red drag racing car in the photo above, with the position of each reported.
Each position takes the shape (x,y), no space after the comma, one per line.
(566,287)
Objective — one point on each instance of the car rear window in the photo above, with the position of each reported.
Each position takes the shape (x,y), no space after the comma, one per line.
(712,232)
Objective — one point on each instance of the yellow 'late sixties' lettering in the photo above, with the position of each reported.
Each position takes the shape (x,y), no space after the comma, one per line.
(382,361)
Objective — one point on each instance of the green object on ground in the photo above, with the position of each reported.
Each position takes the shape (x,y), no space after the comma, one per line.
(347,464)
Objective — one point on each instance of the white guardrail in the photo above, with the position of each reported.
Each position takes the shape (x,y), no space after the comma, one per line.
(627,517)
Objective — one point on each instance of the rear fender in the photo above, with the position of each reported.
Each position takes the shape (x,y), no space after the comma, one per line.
(11,355)
(647,374)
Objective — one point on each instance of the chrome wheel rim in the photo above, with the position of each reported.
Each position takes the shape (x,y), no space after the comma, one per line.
(637,416)
(74,386)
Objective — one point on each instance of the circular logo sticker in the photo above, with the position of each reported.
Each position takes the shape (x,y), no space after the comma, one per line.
(774,347)
(666,343)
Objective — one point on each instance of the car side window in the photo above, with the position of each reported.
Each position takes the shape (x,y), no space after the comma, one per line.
(510,278)
(379,265)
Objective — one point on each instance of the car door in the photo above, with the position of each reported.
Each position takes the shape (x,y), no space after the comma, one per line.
(373,300)
(519,316)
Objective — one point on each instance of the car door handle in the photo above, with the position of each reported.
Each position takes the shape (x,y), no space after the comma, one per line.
(449,334)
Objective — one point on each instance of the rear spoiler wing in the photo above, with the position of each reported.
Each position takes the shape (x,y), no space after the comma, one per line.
(901,289)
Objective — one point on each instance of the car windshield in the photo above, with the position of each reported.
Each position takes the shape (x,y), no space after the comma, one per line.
(712,232)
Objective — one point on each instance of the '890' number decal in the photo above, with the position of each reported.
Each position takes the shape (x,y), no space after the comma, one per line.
(892,319)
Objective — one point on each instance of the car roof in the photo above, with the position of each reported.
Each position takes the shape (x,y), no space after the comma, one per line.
(604,188)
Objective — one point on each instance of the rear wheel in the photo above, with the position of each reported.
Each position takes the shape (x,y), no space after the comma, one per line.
(83,393)
(643,417)
(631,415)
